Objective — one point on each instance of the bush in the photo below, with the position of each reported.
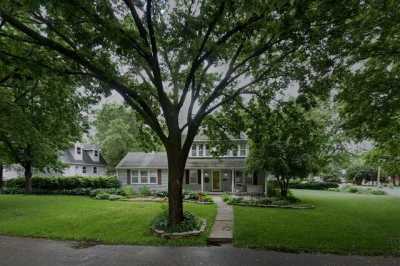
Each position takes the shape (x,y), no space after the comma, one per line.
(161,194)
(314,185)
(202,197)
(226,197)
(331,179)
(59,183)
(103,196)
(190,223)
(190,195)
(113,191)
(144,191)
(115,197)
(128,191)
(378,192)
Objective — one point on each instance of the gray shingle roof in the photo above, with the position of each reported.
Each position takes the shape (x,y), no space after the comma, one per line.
(68,158)
(159,160)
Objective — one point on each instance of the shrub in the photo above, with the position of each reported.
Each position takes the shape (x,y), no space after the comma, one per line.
(145,191)
(378,192)
(314,185)
(226,197)
(161,194)
(103,196)
(113,191)
(190,223)
(353,190)
(190,195)
(128,191)
(204,198)
(58,183)
(281,202)
(115,197)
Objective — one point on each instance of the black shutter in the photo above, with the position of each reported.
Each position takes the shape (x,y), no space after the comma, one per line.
(255,178)
(199,176)
(128,177)
(187,176)
(159,176)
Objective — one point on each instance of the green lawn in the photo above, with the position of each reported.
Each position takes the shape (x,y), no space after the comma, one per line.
(83,218)
(341,223)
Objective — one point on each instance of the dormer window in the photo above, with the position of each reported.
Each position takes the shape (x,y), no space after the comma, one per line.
(201,150)
(78,150)
(96,153)
(242,149)
(194,150)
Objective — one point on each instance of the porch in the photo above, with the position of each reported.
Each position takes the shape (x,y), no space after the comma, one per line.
(222,180)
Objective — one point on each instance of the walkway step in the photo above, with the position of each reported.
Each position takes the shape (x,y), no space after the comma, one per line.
(222,231)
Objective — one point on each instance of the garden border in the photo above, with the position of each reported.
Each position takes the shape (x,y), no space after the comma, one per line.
(163,234)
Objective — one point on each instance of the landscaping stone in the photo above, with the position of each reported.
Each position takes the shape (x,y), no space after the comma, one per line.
(162,233)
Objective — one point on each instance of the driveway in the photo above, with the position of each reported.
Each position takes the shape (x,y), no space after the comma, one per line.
(40,252)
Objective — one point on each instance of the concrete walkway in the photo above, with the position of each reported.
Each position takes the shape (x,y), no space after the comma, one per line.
(15,251)
(222,230)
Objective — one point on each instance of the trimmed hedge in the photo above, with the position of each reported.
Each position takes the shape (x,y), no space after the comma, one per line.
(314,185)
(60,183)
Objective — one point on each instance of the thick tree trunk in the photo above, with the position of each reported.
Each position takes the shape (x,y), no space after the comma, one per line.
(28,177)
(176,168)
(1,177)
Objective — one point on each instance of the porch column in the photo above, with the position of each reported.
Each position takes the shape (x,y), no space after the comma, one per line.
(233,180)
(202,180)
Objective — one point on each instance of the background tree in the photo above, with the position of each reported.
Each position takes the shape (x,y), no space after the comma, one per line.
(119,130)
(369,84)
(183,59)
(286,141)
(40,112)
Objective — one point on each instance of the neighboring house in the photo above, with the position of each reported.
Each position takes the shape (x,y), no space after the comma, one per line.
(12,171)
(202,172)
(83,160)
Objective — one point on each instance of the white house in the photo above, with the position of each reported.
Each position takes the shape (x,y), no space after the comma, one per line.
(203,172)
(81,159)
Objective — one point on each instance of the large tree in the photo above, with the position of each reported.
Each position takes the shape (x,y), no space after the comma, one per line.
(120,130)
(40,111)
(175,62)
(369,85)
(286,141)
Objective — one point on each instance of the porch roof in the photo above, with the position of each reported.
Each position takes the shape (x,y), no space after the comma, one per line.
(159,160)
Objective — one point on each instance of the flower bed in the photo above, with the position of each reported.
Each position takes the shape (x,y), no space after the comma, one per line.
(191,226)
(264,202)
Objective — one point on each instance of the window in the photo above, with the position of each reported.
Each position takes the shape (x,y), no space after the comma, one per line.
(242,149)
(95,170)
(96,153)
(193,177)
(201,149)
(84,169)
(194,150)
(207,149)
(143,176)
(234,152)
(78,150)
(135,177)
(153,177)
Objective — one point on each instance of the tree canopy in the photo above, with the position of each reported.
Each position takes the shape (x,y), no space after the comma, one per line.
(184,59)
(119,130)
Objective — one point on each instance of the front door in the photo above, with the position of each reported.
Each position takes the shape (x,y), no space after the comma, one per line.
(216,181)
